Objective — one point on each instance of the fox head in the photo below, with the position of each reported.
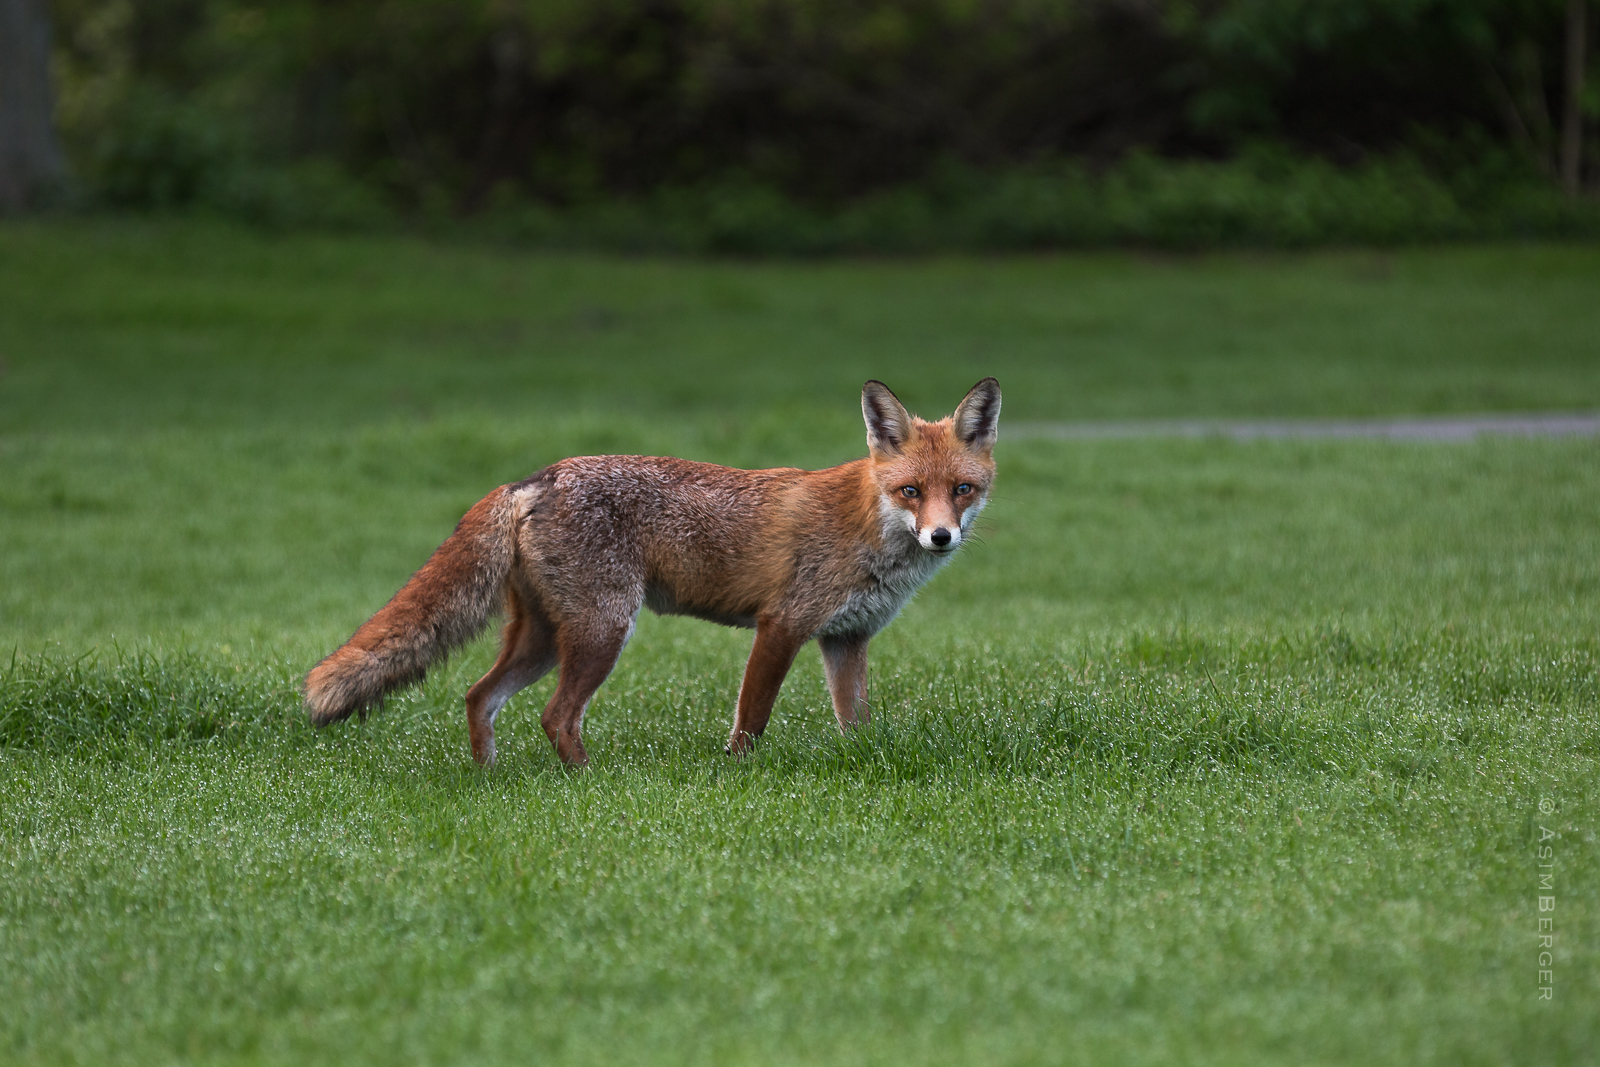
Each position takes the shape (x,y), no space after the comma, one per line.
(933,477)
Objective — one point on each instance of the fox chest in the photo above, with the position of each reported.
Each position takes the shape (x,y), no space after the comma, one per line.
(874,604)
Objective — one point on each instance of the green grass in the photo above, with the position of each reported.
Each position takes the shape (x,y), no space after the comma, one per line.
(146,326)
(1209,752)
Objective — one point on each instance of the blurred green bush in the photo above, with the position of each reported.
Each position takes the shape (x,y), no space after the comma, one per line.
(819,125)
(1144,201)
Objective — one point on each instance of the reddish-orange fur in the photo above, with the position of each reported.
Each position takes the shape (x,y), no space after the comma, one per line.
(574,551)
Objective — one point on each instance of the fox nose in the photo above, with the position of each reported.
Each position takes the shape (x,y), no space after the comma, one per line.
(940,537)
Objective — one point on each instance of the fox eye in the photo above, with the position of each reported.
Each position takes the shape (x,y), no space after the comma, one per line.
(909,491)
(963,489)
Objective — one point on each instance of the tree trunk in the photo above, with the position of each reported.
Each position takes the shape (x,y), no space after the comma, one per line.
(30,158)
(1572,110)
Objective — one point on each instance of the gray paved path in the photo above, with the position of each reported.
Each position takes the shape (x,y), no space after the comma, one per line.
(1406,428)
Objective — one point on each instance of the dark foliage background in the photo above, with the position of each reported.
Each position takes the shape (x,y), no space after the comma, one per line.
(827,118)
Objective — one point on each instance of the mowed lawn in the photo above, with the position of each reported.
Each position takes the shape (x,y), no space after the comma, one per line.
(1207,752)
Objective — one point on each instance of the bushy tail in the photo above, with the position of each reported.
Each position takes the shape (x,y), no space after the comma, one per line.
(443,606)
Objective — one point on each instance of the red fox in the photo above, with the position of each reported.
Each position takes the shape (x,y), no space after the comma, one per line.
(575,550)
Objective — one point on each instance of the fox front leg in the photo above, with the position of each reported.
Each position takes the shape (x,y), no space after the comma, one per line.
(844,661)
(770,660)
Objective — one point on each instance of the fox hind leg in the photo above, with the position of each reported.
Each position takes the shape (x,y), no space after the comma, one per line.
(527,652)
(588,653)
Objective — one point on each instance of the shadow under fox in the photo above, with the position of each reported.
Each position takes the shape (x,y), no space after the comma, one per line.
(574,551)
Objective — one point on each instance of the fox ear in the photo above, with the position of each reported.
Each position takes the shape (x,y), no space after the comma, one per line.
(888,422)
(977,419)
